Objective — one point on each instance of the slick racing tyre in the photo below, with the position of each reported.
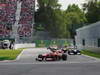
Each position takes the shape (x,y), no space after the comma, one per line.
(40,57)
(64,57)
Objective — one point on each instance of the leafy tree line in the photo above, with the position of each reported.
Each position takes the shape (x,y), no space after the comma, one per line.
(75,18)
(92,9)
(61,24)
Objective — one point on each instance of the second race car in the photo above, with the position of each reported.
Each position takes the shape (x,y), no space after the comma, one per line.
(74,52)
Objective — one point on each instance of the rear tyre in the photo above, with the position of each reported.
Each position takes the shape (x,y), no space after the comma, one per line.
(64,57)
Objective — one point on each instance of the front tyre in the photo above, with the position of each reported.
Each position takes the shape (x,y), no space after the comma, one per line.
(40,57)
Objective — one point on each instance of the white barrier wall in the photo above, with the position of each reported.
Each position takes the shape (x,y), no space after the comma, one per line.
(25,45)
(88,37)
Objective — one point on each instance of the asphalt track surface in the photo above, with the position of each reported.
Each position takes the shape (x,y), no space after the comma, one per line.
(26,65)
(29,55)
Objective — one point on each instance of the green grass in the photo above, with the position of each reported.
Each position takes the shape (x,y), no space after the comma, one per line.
(7,54)
(89,53)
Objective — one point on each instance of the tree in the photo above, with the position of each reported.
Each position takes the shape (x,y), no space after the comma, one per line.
(75,19)
(73,22)
(48,4)
(45,11)
(59,25)
(73,8)
(52,18)
(92,9)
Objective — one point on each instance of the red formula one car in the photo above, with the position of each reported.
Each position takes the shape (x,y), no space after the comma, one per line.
(53,56)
